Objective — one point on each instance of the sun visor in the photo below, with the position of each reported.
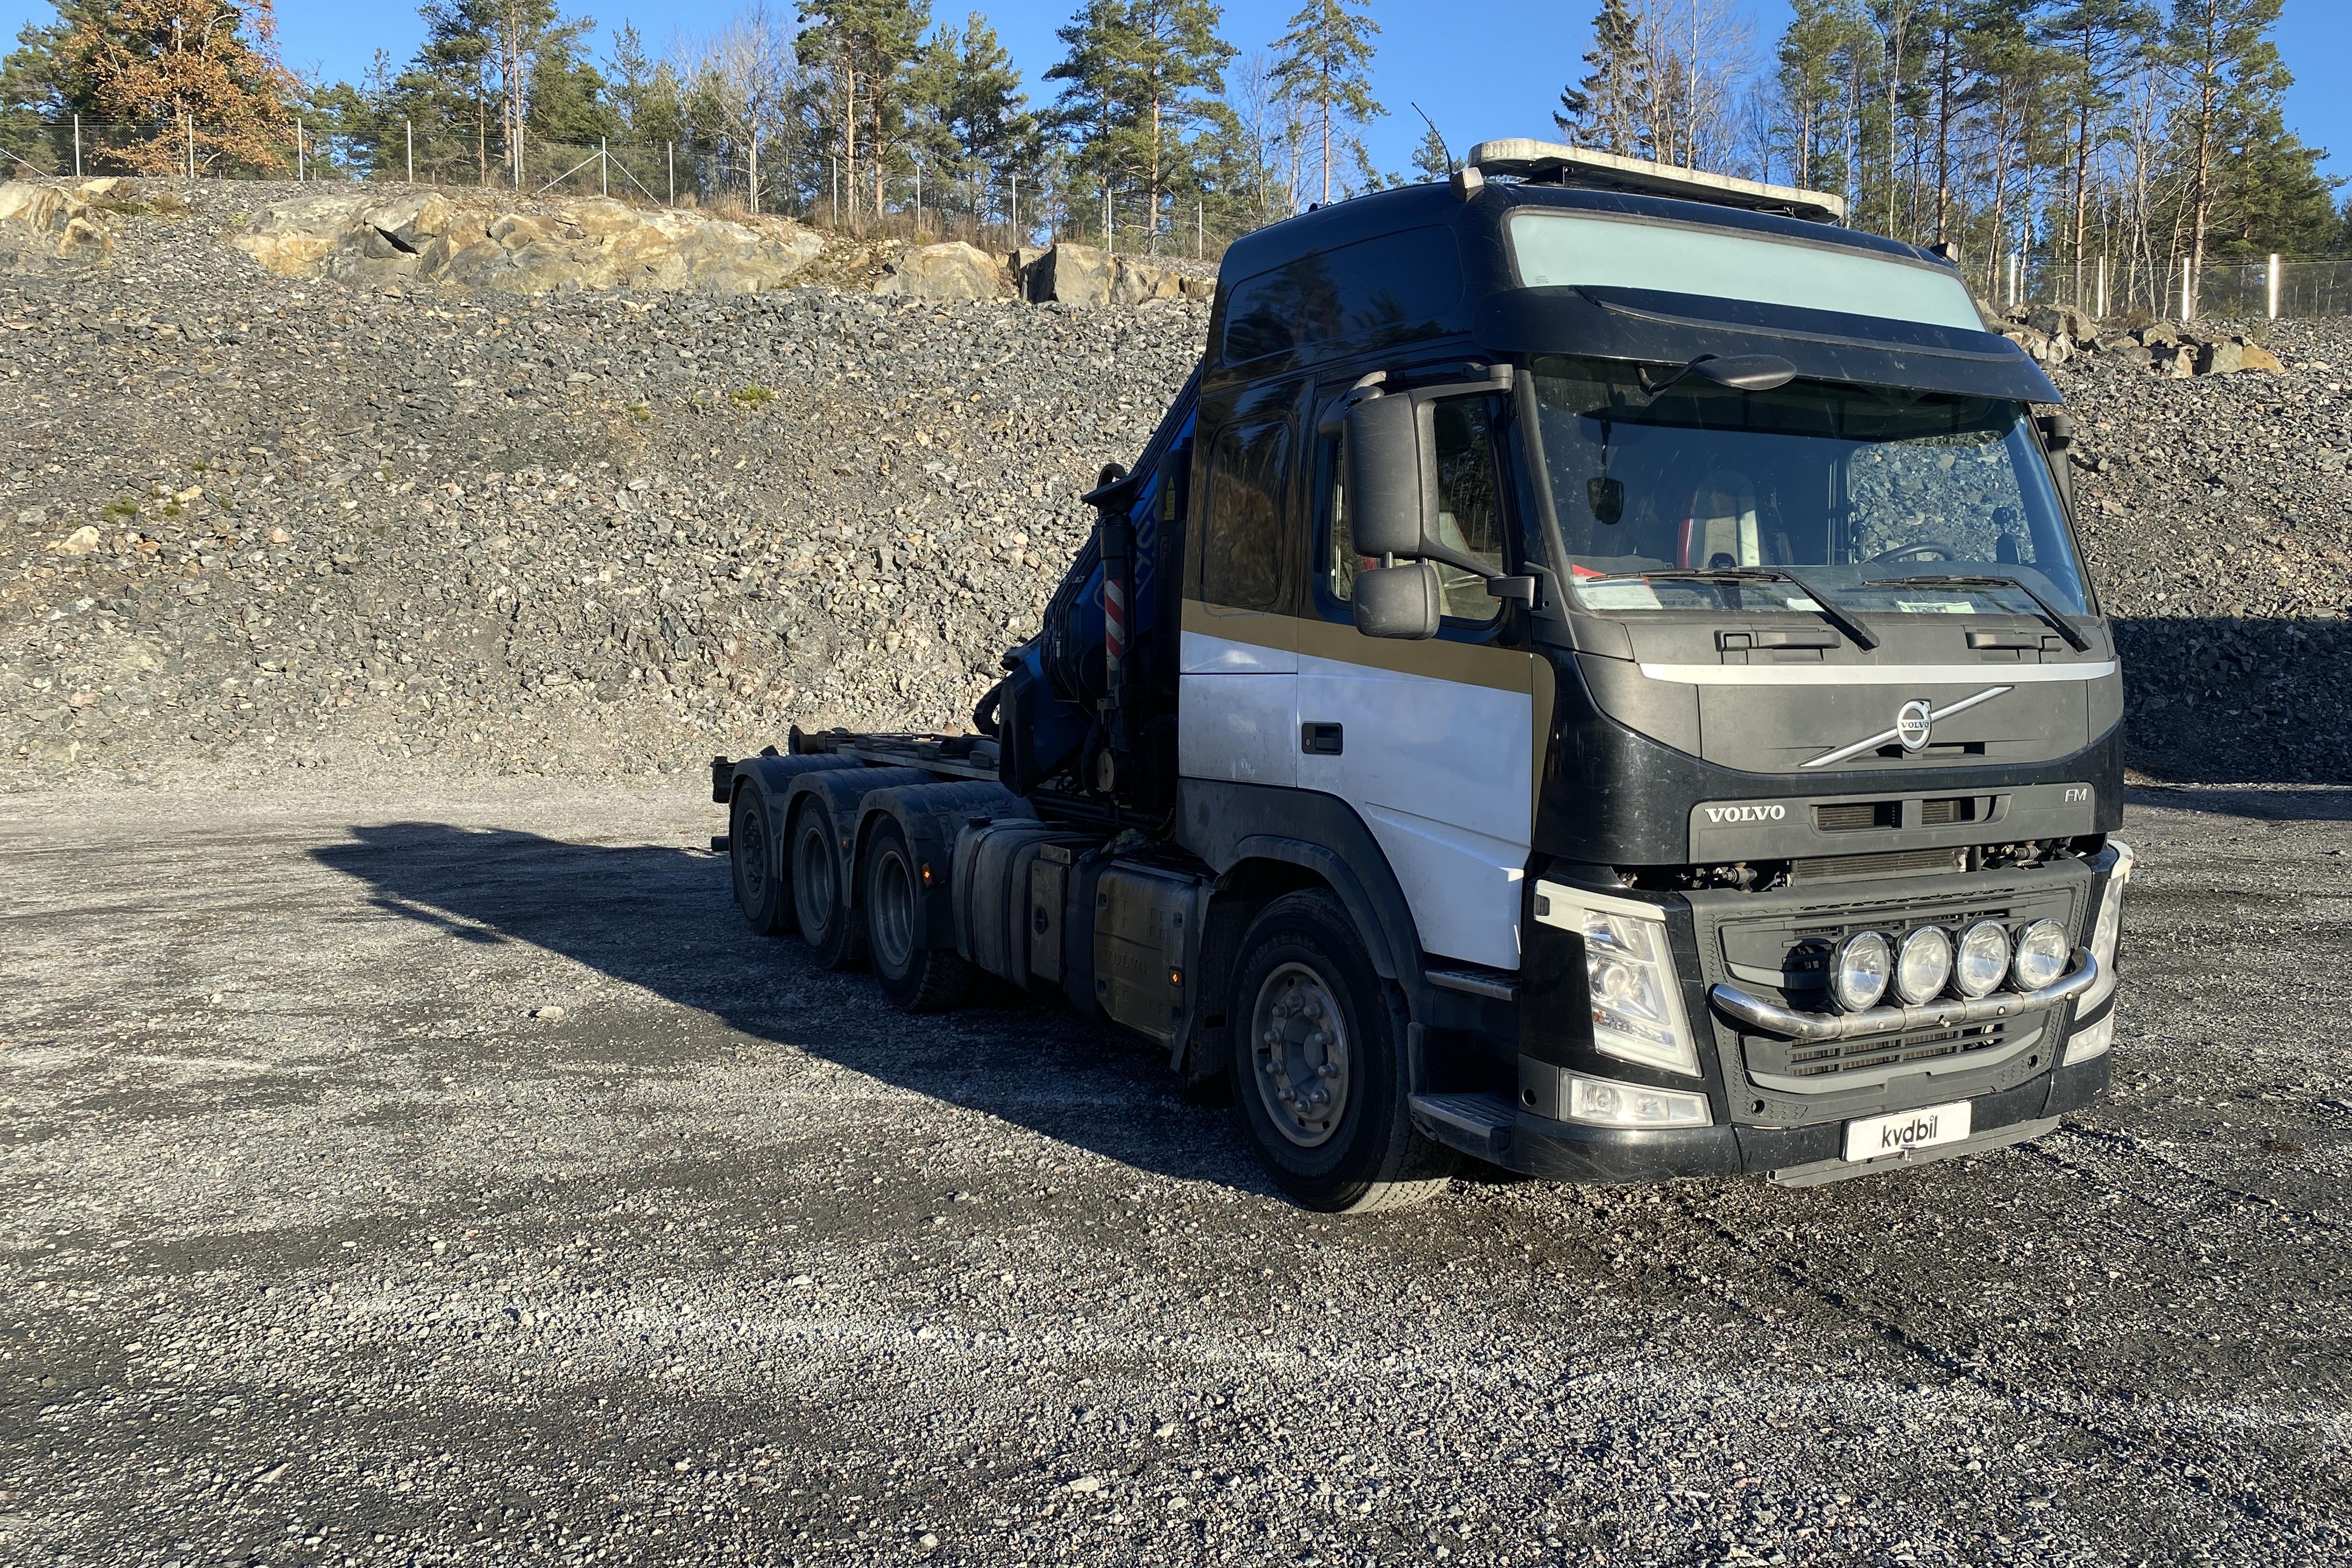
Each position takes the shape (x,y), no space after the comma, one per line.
(1824,345)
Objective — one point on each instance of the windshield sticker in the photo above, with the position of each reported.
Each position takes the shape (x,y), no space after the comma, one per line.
(1617,594)
(1936,606)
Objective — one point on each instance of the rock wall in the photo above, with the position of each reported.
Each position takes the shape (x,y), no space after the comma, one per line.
(470,240)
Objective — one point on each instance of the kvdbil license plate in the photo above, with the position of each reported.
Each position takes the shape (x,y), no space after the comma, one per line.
(1880,1136)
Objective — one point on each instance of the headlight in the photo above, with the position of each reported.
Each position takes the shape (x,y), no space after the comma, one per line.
(1637,1005)
(1604,1103)
(1924,967)
(2108,926)
(2041,955)
(1858,972)
(1983,962)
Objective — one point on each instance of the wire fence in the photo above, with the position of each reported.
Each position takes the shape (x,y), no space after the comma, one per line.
(744,177)
(2237,289)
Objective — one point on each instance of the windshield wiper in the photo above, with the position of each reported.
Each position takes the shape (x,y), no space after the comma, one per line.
(1832,611)
(2080,643)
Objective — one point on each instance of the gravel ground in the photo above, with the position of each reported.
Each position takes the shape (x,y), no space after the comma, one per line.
(407,1177)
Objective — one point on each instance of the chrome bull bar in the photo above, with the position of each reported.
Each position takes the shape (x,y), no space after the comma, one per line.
(1770,1019)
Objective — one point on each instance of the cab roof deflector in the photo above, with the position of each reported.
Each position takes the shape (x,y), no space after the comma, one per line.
(1553,164)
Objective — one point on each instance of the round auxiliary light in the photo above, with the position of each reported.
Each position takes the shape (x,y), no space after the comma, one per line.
(1923,965)
(1983,962)
(2041,955)
(1858,972)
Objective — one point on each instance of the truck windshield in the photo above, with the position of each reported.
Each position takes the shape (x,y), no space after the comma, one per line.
(1871,493)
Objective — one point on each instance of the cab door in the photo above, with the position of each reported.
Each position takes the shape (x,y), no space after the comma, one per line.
(1431,742)
(1237,699)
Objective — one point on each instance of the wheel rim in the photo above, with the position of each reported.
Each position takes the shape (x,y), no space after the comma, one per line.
(890,903)
(750,846)
(1299,1040)
(813,877)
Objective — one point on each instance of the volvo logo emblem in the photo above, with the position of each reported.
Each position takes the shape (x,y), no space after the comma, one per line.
(1914,723)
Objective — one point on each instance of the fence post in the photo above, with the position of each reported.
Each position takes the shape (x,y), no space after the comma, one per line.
(1199,229)
(1016,207)
(918,199)
(755,170)
(603,171)
(77,146)
(191,145)
(669,157)
(302,169)
(2103,288)
(2187,303)
(2274,285)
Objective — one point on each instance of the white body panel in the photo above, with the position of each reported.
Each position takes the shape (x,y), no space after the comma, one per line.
(1440,770)
(1237,710)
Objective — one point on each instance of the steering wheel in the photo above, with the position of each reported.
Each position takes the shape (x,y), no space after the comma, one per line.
(1918,547)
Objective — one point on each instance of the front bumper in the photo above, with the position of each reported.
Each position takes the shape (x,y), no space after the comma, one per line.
(1569,1152)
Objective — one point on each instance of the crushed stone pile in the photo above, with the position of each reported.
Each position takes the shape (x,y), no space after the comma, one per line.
(251,522)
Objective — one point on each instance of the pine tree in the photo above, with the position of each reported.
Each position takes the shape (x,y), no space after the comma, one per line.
(2098,41)
(1433,160)
(644,94)
(1599,111)
(972,123)
(866,49)
(1326,64)
(1178,56)
(2234,81)
(198,77)
(1096,107)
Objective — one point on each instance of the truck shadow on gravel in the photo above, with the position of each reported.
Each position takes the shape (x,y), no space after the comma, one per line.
(2243,699)
(664,920)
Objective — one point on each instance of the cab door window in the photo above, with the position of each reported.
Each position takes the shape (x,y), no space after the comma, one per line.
(1242,524)
(1469,510)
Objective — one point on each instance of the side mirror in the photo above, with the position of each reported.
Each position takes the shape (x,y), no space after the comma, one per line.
(1388,495)
(1401,601)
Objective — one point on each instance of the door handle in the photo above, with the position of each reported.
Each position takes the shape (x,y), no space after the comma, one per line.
(1321,739)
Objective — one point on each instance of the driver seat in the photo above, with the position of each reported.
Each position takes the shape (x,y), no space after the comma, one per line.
(1719,525)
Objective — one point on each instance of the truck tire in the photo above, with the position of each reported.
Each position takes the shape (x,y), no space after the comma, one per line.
(820,902)
(760,892)
(1319,1071)
(915,978)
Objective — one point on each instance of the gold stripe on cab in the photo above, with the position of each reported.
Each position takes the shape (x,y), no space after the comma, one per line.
(1465,664)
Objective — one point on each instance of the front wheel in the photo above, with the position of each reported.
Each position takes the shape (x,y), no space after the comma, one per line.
(917,978)
(1319,1070)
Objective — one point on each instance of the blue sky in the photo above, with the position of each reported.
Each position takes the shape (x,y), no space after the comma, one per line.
(1481,68)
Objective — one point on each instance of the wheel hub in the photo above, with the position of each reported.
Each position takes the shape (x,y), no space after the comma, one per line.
(1299,1044)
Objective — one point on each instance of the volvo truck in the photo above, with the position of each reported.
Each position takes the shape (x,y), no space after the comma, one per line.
(1592,674)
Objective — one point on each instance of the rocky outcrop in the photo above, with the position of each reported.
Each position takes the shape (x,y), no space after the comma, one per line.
(461,239)
(48,226)
(952,271)
(2055,335)
(1082,275)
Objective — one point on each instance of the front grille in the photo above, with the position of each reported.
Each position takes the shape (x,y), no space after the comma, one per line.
(1897,863)
(1945,812)
(1777,946)
(1858,816)
(1825,1059)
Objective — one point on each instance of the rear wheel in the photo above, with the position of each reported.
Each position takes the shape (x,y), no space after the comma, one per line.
(759,890)
(917,978)
(1319,1070)
(820,900)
